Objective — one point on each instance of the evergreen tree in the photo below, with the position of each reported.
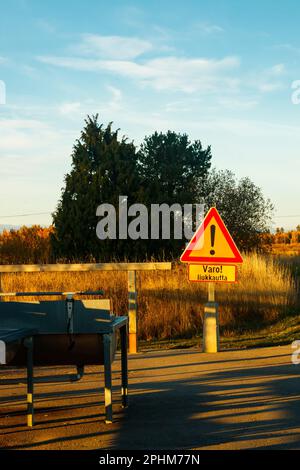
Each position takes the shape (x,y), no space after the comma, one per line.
(170,168)
(104,167)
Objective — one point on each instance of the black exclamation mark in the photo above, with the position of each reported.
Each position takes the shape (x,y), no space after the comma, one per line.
(212,238)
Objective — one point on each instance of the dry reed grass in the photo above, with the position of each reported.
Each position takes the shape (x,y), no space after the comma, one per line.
(170,306)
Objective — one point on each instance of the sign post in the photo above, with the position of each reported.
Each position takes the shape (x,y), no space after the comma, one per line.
(211,334)
(211,292)
(212,257)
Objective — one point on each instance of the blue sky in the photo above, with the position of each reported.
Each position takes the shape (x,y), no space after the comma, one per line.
(219,70)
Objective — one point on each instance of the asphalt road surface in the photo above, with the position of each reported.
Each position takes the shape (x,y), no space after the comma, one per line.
(179,399)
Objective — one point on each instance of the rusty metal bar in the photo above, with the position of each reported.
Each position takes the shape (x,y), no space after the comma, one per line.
(27,268)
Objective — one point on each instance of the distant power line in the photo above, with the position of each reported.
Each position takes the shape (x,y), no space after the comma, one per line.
(50,212)
(282,216)
(24,215)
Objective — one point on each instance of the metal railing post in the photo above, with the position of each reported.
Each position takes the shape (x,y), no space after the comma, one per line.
(28,343)
(132,311)
(107,378)
(124,366)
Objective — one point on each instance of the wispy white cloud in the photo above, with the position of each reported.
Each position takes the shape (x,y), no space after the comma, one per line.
(112,47)
(276,70)
(13,124)
(270,79)
(77,110)
(165,73)
(180,106)
(69,108)
(221,102)
(288,48)
(45,26)
(33,160)
(131,15)
(209,28)
(265,87)
(116,100)
(23,135)
(238,103)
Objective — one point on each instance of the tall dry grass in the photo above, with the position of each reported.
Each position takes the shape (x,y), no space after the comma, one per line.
(170,306)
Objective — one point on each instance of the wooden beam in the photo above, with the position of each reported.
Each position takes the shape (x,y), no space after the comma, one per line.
(30,268)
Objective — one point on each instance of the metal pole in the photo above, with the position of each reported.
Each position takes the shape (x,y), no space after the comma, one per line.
(1,289)
(49,294)
(124,387)
(107,378)
(132,311)
(30,397)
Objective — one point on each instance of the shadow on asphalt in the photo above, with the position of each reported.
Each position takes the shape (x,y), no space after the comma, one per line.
(170,411)
(182,413)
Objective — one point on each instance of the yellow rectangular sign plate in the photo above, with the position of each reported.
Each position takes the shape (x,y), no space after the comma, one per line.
(212,273)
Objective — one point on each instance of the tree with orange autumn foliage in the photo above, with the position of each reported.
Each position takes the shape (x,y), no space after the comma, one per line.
(281,238)
(287,238)
(27,245)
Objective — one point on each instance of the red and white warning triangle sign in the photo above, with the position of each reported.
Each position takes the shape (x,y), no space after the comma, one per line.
(212,243)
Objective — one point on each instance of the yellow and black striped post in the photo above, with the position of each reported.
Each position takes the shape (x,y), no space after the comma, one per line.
(132,312)
(30,402)
(124,366)
(107,378)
